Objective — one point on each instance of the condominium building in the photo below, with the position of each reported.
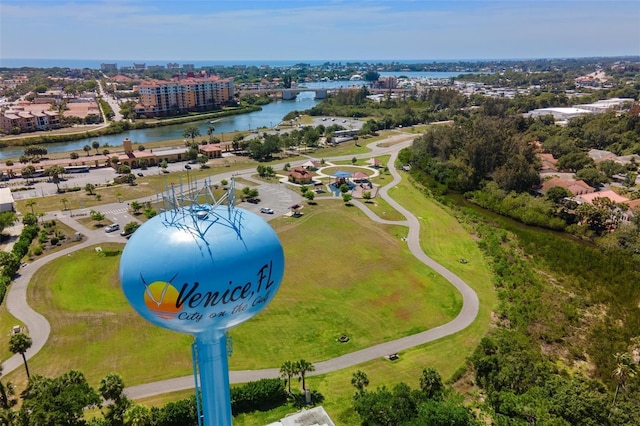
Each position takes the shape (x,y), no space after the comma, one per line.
(18,120)
(163,98)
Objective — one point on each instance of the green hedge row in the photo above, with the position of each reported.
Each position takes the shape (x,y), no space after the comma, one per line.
(20,249)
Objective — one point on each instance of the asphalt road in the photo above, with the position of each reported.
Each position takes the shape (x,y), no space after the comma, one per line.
(279,197)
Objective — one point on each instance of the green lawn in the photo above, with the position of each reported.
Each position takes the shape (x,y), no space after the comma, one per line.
(7,321)
(330,275)
(353,261)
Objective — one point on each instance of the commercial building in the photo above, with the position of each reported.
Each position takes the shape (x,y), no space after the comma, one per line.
(164,98)
(6,200)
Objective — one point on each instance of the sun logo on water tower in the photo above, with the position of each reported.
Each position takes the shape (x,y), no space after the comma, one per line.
(161,297)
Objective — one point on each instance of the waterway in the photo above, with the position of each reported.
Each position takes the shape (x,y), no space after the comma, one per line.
(270,115)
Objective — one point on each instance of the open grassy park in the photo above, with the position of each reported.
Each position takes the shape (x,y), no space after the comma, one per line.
(344,275)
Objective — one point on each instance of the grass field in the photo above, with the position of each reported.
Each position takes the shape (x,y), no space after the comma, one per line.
(6,321)
(353,260)
(444,239)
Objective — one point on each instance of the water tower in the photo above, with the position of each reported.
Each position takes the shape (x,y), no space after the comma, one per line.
(203,266)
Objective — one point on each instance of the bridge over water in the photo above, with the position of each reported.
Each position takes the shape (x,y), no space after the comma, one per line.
(320,92)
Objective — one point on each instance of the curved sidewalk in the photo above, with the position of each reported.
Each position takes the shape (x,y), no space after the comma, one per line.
(467,315)
(39,328)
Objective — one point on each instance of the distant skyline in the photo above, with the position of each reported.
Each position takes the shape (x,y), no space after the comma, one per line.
(338,30)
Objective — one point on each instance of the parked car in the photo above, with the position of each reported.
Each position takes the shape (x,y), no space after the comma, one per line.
(266,210)
(140,174)
(253,200)
(112,228)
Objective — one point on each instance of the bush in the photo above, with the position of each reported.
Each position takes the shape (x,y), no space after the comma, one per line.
(37,250)
(30,219)
(262,395)
(4,283)
(72,189)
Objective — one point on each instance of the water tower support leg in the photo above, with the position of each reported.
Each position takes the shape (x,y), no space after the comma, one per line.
(214,379)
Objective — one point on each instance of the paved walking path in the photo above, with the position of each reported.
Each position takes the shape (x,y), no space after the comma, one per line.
(39,327)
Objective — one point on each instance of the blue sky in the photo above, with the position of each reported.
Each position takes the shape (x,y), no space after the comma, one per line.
(264,30)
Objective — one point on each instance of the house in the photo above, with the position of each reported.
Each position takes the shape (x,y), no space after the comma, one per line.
(588,198)
(576,187)
(599,155)
(548,163)
(300,176)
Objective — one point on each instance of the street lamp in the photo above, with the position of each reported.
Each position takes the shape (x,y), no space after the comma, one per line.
(187,168)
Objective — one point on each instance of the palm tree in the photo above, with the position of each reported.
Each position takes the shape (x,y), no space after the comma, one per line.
(360,380)
(7,393)
(55,172)
(287,371)
(138,415)
(31,203)
(7,399)
(302,368)
(86,149)
(64,202)
(19,344)
(210,131)
(112,387)
(95,145)
(624,370)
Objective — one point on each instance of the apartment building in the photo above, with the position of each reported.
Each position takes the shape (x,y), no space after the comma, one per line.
(163,98)
(28,121)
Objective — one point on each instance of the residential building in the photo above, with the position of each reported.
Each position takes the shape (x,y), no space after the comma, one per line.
(28,121)
(589,198)
(547,163)
(599,155)
(163,98)
(108,67)
(576,187)
(389,82)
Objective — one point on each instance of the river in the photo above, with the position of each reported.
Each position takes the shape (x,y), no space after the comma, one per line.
(269,116)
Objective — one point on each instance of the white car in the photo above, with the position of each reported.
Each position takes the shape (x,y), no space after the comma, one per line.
(266,210)
(112,228)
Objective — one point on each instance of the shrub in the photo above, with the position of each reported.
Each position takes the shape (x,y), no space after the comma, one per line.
(262,395)
(4,283)
(37,250)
